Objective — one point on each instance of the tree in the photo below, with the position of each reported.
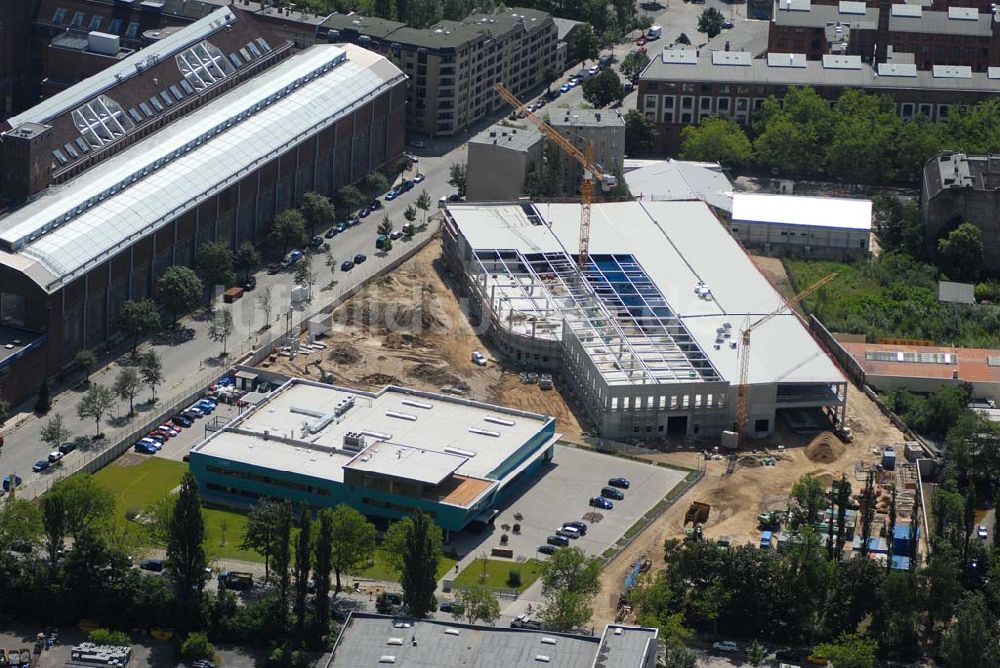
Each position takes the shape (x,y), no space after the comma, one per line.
(179,290)
(633,64)
(43,404)
(54,432)
(264,304)
(348,198)
(603,88)
(850,650)
(151,369)
(322,566)
(317,210)
(139,319)
(20,522)
(86,504)
(304,275)
(288,229)
(971,638)
(424,204)
(215,262)
(261,530)
(961,253)
(477,603)
(303,565)
(810,500)
(95,405)
(108,637)
(186,560)
(549,75)
(867,513)
(640,132)
(385,227)
(585,44)
(373,183)
(282,556)
(196,646)
(683,39)
(716,140)
(410,213)
(221,327)
(710,22)
(756,653)
(353,538)
(457,177)
(86,360)
(570,579)
(420,556)
(248,258)
(127,386)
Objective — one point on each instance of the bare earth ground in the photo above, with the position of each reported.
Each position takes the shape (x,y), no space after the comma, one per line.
(407,328)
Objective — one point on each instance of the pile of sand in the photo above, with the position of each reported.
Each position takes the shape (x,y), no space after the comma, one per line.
(825,449)
(435,375)
(345,354)
(379,380)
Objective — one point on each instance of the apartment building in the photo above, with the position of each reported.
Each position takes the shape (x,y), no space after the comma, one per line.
(603,130)
(682,86)
(453,65)
(499,160)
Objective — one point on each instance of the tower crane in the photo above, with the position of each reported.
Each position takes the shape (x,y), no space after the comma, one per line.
(742,409)
(591,170)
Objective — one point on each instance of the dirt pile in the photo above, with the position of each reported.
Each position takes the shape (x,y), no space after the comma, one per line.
(435,375)
(825,449)
(379,380)
(344,354)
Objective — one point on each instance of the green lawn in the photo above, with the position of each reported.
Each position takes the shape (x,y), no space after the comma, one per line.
(379,570)
(497,572)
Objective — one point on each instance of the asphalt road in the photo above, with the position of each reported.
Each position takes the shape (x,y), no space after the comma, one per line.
(197,360)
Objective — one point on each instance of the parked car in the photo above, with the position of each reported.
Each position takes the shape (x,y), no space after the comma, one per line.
(415,143)
(547,549)
(341,227)
(155,565)
(170,430)
(612,493)
(55,456)
(159,438)
(331,233)
(601,502)
(478,358)
(982,532)
(152,442)
(725,646)
(565,88)
(727,24)
(449,606)
(316,242)
(290,259)
(621,483)
(363,213)
(418,178)
(579,526)
(250,283)
(352,221)
(359,258)
(7,479)
(525,622)
(273,268)
(558,541)
(347,265)
(67,447)
(406,185)
(395,234)
(375,205)
(391,195)
(206,406)
(144,448)
(182,420)
(192,413)
(40,465)
(568,532)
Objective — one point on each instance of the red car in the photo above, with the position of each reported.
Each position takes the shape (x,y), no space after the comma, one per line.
(641,41)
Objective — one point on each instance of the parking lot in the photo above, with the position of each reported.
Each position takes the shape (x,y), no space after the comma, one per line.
(562,493)
(180,445)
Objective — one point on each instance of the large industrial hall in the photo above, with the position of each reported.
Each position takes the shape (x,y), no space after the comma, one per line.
(203,136)
(647,336)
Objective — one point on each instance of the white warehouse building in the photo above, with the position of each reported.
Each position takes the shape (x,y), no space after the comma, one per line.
(646,337)
(818,227)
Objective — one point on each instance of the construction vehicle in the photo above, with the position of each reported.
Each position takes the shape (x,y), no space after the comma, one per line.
(770,521)
(591,170)
(697,513)
(694,534)
(742,389)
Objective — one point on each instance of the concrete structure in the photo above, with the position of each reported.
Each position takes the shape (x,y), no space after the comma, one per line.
(387,454)
(453,65)
(603,130)
(566,39)
(202,136)
(680,180)
(956,293)
(500,157)
(816,227)
(950,36)
(646,336)
(682,86)
(925,369)
(959,188)
(366,639)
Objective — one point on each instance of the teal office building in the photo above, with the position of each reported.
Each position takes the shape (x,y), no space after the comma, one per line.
(387,454)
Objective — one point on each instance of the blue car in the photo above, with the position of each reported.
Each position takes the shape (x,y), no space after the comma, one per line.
(205,406)
(7,479)
(565,88)
(601,502)
(391,195)
(145,448)
(40,465)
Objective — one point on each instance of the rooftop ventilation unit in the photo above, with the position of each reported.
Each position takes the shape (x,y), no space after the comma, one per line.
(394,641)
(401,416)
(451,632)
(377,435)
(496,420)
(417,404)
(387,658)
(548,641)
(484,432)
(460,452)
(354,441)
(344,405)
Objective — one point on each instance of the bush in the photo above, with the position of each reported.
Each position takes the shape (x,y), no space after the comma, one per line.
(108,637)
(514,577)
(196,646)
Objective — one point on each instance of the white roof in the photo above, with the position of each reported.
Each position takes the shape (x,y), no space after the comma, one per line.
(837,212)
(677,244)
(408,434)
(125,68)
(195,163)
(680,180)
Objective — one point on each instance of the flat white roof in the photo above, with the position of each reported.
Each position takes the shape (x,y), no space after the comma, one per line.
(174,169)
(677,244)
(680,180)
(408,434)
(837,212)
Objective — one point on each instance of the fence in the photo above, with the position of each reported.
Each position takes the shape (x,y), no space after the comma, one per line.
(248,351)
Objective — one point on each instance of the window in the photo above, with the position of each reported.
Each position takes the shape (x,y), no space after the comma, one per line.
(253,49)
(115,26)
(82,143)
(943,110)
(145,109)
(246,55)
(925,110)
(235,60)
(167,97)
(906,110)
(95,22)
(101,120)
(132,31)
(177,93)
(60,157)
(59,16)
(187,87)
(77,21)
(203,65)
(705,103)
(651,102)
(687,102)
(723,105)
(72,151)
(668,102)
(156,104)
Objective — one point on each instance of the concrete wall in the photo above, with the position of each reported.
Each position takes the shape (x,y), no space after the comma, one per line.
(809,241)
(496,172)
